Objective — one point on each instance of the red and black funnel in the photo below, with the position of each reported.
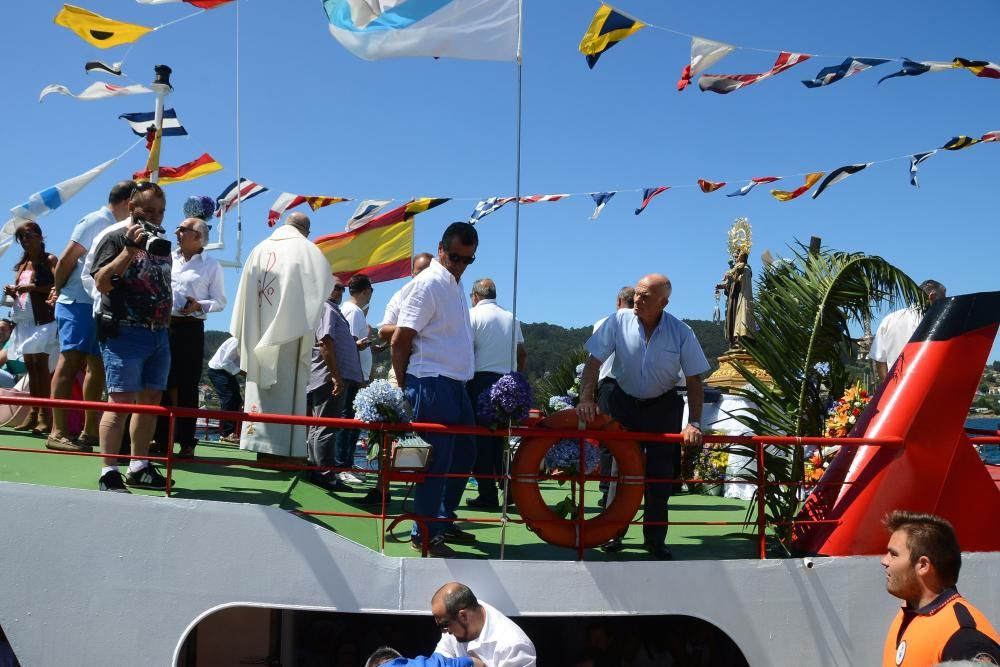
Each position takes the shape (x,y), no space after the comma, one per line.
(924,400)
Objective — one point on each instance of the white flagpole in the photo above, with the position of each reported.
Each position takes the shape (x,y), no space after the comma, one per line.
(517,228)
(161,86)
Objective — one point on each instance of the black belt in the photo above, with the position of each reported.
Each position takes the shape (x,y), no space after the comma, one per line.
(184,321)
(650,401)
(152,326)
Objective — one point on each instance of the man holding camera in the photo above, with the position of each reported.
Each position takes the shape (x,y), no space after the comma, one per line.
(131,270)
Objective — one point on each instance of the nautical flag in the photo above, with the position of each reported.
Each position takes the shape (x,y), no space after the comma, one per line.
(704,54)
(990,136)
(203,4)
(849,67)
(366,212)
(647,196)
(201,166)
(468,29)
(754,182)
(487,206)
(710,186)
(95,91)
(600,199)
(837,175)
(788,195)
(537,198)
(914,68)
(140,121)
(114,69)
(52,198)
(155,138)
(727,83)
(380,249)
(231,195)
(981,68)
(318,202)
(100,31)
(959,142)
(915,160)
(285,201)
(607,28)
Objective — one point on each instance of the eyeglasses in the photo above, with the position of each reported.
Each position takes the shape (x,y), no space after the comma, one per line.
(338,288)
(186,229)
(455,258)
(26,235)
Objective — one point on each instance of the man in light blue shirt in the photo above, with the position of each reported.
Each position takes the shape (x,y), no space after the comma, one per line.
(652,351)
(75,318)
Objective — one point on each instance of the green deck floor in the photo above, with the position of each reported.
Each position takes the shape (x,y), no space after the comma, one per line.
(285,489)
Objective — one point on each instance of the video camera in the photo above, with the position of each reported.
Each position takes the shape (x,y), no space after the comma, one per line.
(152,240)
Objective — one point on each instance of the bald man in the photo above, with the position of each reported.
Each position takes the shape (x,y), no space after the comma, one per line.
(651,349)
(278,305)
(470,627)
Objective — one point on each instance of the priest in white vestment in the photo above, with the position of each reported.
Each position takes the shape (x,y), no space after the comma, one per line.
(278,305)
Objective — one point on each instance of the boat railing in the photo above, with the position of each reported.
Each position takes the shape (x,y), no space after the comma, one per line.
(385,431)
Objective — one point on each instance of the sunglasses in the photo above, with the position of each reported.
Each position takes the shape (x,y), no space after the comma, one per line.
(338,288)
(186,229)
(455,258)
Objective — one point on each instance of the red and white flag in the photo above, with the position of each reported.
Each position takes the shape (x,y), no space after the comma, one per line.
(285,201)
(727,83)
(704,54)
(535,198)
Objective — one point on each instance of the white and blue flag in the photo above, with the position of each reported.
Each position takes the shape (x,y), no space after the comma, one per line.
(467,29)
(600,199)
(487,206)
(140,122)
(52,198)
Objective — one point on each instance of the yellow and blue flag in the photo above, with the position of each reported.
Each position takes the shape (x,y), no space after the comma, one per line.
(608,27)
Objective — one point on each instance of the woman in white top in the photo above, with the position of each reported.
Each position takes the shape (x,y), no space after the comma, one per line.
(35,333)
(198,289)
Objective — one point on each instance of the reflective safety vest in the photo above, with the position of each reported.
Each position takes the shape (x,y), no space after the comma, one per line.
(949,628)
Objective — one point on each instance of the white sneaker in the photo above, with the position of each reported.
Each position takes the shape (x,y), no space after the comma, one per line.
(350,478)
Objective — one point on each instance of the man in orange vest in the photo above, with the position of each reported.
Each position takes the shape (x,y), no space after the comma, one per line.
(935,624)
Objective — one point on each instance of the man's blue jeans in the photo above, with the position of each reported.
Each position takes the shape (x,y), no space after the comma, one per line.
(444,401)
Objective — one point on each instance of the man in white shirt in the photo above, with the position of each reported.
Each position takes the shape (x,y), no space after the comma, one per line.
(353,309)
(606,383)
(472,627)
(432,358)
(223,371)
(388,325)
(896,329)
(75,317)
(493,332)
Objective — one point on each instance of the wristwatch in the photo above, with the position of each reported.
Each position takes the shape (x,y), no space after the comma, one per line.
(697,425)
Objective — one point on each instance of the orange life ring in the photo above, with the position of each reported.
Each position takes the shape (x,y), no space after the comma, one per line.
(565,532)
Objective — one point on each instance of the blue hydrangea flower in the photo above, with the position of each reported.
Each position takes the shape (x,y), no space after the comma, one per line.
(381,402)
(557,403)
(199,207)
(508,400)
(565,455)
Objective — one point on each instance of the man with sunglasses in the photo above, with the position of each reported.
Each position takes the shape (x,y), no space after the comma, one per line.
(469,626)
(432,357)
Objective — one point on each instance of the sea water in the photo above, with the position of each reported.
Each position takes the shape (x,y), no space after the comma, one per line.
(989,453)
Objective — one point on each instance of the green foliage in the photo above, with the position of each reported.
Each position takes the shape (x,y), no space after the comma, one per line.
(803,310)
(556,381)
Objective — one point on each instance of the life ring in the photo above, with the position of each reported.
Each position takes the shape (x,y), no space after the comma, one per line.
(566,532)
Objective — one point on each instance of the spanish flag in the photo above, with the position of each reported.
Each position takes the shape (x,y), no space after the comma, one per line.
(381,249)
(608,27)
(102,32)
(202,166)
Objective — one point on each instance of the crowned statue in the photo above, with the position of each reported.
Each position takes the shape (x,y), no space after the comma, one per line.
(737,285)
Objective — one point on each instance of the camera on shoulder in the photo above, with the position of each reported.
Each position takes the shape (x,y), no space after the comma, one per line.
(151,240)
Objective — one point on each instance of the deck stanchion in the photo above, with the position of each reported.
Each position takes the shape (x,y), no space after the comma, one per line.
(170,452)
(761,505)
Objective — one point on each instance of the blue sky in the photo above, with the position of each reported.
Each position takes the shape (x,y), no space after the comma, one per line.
(316,120)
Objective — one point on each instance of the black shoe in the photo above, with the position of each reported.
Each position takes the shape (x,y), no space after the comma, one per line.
(659,551)
(614,546)
(330,483)
(481,504)
(436,548)
(373,497)
(147,478)
(112,481)
(456,535)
